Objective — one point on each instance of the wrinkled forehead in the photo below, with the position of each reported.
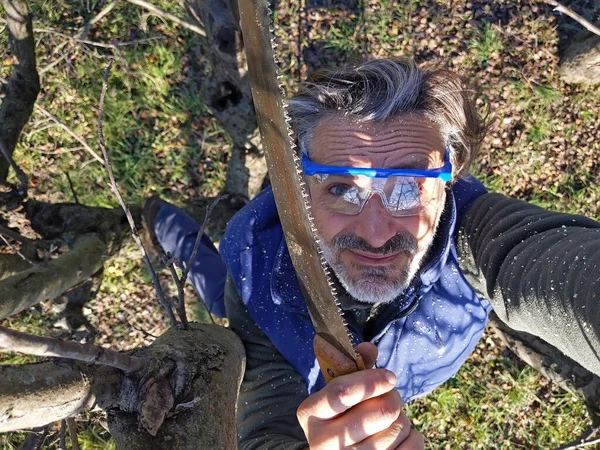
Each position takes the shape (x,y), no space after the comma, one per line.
(407,140)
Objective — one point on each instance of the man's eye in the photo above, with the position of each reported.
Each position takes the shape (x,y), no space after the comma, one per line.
(338,189)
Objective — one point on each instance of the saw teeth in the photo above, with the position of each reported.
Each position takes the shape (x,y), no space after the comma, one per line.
(275,43)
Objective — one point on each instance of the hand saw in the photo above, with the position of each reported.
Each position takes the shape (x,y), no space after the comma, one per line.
(332,343)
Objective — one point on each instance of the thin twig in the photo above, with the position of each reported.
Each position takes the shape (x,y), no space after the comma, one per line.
(113,184)
(203,304)
(62,434)
(23,257)
(73,433)
(72,189)
(35,439)
(159,12)
(573,15)
(57,61)
(209,209)
(14,341)
(180,282)
(7,232)
(114,45)
(83,31)
(98,17)
(180,298)
(70,132)
(20,174)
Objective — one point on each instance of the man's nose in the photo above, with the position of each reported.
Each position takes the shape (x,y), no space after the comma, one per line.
(374,223)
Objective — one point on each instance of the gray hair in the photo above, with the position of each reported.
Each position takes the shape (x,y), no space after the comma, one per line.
(381,89)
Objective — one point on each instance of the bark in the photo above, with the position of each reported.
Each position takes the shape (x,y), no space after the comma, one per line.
(53,220)
(553,364)
(49,280)
(28,344)
(580,63)
(186,395)
(11,264)
(228,93)
(24,83)
(33,395)
(210,363)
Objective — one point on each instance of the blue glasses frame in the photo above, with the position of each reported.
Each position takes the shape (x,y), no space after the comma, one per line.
(444,173)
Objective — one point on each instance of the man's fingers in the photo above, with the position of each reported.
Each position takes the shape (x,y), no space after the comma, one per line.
(345,392)
(396,436)
(358,423)
(368,351)
(370,417)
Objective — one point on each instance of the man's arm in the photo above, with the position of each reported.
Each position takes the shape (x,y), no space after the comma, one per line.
(540,270)
(271,389)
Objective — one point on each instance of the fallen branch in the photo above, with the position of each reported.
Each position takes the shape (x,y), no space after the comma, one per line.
(114,45)
(11,264)
(83,31)
(159,12)
(573,15)
(15,341)
(70,132)
(114,187)
(44,281)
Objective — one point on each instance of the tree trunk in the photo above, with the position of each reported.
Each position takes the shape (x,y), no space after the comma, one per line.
(215,356)
(199,369)
(24,83)
(228,93)
(580,62)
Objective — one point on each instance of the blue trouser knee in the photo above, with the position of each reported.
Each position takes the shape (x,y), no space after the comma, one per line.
(176,232)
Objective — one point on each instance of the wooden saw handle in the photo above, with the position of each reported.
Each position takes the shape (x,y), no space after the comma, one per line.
(334,363)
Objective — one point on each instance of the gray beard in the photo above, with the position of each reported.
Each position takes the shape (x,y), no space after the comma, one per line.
(376,284)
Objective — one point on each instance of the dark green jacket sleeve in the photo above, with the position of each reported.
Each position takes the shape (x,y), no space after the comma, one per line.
(539,269)
(271,390)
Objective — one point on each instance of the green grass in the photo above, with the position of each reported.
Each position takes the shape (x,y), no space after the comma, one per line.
(473,415)
(151,110)
(486,42)
(163,140)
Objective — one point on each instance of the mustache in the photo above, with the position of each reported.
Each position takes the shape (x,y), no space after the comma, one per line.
(398,243)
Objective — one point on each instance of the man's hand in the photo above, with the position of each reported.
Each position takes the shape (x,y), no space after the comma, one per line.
(361,410)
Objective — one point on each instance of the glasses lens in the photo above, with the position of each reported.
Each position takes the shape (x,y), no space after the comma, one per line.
(402,196)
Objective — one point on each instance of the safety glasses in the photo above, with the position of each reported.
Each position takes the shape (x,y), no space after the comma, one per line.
(403,192)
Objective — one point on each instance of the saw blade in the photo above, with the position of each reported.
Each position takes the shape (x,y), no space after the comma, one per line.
(285,172)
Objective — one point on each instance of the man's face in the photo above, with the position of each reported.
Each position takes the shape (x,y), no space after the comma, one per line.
(375,255)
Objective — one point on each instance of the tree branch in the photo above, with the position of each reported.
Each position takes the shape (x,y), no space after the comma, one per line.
(573,15)
(44,281)
(24,83)
(28,344)
(114,187)
(73,433)
(20,174)
(23,257)
(159,12)
(33,395)
(186,267)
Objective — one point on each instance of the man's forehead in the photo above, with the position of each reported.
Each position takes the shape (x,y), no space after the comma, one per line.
(342,140)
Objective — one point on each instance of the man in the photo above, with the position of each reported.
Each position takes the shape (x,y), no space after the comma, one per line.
(418,248)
